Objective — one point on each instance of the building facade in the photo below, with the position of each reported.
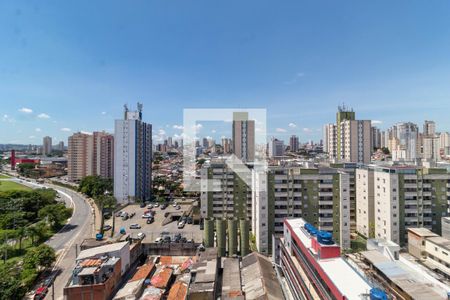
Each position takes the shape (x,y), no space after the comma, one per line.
(80,156)
(243,137)
(47,145)
(132,158)
(403,197)
(103,154)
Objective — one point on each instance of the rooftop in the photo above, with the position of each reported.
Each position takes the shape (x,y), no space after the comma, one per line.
(422,232)
(409,280)
(337,269)
(440,241)
(92,252)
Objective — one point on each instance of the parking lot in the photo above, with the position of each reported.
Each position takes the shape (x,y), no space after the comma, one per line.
(153,231)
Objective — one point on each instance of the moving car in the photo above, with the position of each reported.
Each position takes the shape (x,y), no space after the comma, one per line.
(135,226)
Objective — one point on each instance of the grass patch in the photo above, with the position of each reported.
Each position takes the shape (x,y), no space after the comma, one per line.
(3,176)
(11,185)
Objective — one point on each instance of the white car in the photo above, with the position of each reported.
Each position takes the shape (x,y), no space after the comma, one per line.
(174,204)
(135,226)
(181,225)
(156,205)
(159,240)
(150,206)
(141,235)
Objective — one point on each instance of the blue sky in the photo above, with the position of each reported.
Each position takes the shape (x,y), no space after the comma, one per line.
(75,65)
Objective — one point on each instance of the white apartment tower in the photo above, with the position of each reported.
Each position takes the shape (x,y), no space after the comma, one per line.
(133,158)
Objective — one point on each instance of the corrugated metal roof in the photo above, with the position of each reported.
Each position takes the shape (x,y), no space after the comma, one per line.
(162,278)
(143,272)
(258,278)
(178,291)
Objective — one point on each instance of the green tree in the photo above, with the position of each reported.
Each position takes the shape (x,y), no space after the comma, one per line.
(42,256)
(95,186)
(21,233)
(38,232)
(10,285)
(55,214)
(25,168)
(103,202)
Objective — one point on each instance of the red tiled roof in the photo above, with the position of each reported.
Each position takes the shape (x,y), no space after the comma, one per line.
(143,272)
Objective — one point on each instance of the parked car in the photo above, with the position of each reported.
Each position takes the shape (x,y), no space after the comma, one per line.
(146,216)
(132,214)
(165,233)
(181,225)
(125,216)
(190,241)
(166,214)
(159,240)
(178,207)
(183,240)
(119,214)
(107,227)
(176,239)
(150,220)
(135,226)
(174,204)
(142,205)
(189,220)
(156,205)
(164,206)
(201,247)
(150,206)
(166,239)
(141,235)
(183,218)
(40,293)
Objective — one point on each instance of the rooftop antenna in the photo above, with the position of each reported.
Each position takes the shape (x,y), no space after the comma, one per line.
(125,109)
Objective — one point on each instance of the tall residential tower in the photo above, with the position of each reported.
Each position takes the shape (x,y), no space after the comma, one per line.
(133,158)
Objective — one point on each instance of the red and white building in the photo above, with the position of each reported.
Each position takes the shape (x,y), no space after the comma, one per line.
(313,267)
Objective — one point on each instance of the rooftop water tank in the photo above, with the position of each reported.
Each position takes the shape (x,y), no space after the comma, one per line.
(325,238)
(377,294)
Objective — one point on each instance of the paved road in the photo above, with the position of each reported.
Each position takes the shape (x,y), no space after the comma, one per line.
(79,227)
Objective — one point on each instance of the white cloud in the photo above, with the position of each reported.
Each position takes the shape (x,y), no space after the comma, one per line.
(307,130)
(161,132)
(6,118)
(213,131)
(179,127)
(292,125)
(103,113)
(38,130)
(377,122)
(295,79)
(43,116)
(31,137)
(65,129)
(26,110)
(280,130)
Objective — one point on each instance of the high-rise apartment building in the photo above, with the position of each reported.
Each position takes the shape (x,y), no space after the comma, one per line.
(226,145)
(392,198)
(276,148)
(356,141)
(103,154)
(293,143)
(349,140)
(61,146)
(404,142)
(321,196)
(47,145)
(376,138)
(132,158)
(243,137)
(429,128)
(80,156)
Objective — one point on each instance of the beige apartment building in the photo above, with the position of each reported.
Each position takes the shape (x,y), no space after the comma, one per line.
(90,154)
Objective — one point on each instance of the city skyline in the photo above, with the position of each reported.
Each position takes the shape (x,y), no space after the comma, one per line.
(57,78)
